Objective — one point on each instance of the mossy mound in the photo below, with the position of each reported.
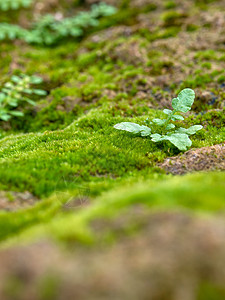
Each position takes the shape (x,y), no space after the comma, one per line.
(88,212)
(152,234)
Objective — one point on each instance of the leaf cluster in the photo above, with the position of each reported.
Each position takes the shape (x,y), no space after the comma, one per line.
(19,89)
(6,5)
(12,32)
(49,30)
(164,129)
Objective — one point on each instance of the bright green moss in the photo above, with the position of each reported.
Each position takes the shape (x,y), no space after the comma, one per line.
(91,88)
(206,55)
(200,79)
(170,4)
(192,27)
(199,193)
(221,79)
(13,223)
(172,18)
(209,291)
(166,33)
(157,67)
(207,65)
(89,150)
(202,193)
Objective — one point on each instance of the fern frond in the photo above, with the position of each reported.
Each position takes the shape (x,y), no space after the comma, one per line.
(14,4)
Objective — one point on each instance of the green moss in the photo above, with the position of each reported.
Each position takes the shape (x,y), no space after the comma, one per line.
(206,55)
(48,287)
(192,27)
(14,222)
(209,291)
(211,119)
(89,150)
(204,1)
(157,67)
(199,193)
(170,4)
(86,59)
(14,287)
(166,33)
(207,65)
(203,193)
(221,79)
(173,18)
(198,79)
(92,87)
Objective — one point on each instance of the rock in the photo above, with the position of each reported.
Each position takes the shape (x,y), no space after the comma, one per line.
(202,159)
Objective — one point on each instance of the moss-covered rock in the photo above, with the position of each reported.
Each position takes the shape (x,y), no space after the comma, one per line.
(68,178)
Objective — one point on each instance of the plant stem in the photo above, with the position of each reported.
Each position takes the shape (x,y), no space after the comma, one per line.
(169,119)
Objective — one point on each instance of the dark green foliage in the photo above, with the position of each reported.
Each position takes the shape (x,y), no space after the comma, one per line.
(48,30)
(12,32)
(165,130)
(16,91)
(14,4)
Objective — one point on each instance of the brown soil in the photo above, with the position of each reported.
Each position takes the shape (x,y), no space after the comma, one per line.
(145,266)
(203,159)
(12,201)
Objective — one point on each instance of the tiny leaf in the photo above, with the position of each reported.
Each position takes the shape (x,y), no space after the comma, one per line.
(177,117)
(179,140)
(159,122)
(191,130)
(145,131)
(133,128)
(167,111)
(17,113)
(156,137)
(170,126)
(184,100)
(40,92)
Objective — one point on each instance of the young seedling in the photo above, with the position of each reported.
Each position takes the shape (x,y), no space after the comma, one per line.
(18,90)
(164,129)
(14,4)
(48,30)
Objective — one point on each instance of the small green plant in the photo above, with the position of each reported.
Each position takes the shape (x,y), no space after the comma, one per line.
(165,129)
(12,32)
(18,90)
(14,4)
(49,31)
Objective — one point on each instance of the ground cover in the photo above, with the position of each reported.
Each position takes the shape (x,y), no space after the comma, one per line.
(75,192)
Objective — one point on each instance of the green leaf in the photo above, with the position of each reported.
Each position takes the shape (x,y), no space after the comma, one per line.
(133,128)
(40,92)
(17,113)
(2,97)
(167,111)
(177,117)
(15,78)
(191,130)
(30,101)
(28,91)
(145,131)
(36,79)
(156,137)
(179,140)
(170,126)
(5,117)
(159,122)
(13,102)
(184,100)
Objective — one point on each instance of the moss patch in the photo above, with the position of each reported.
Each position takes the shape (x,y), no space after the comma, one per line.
(101,193)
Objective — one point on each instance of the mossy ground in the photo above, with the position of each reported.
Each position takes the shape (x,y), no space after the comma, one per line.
(65,151)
